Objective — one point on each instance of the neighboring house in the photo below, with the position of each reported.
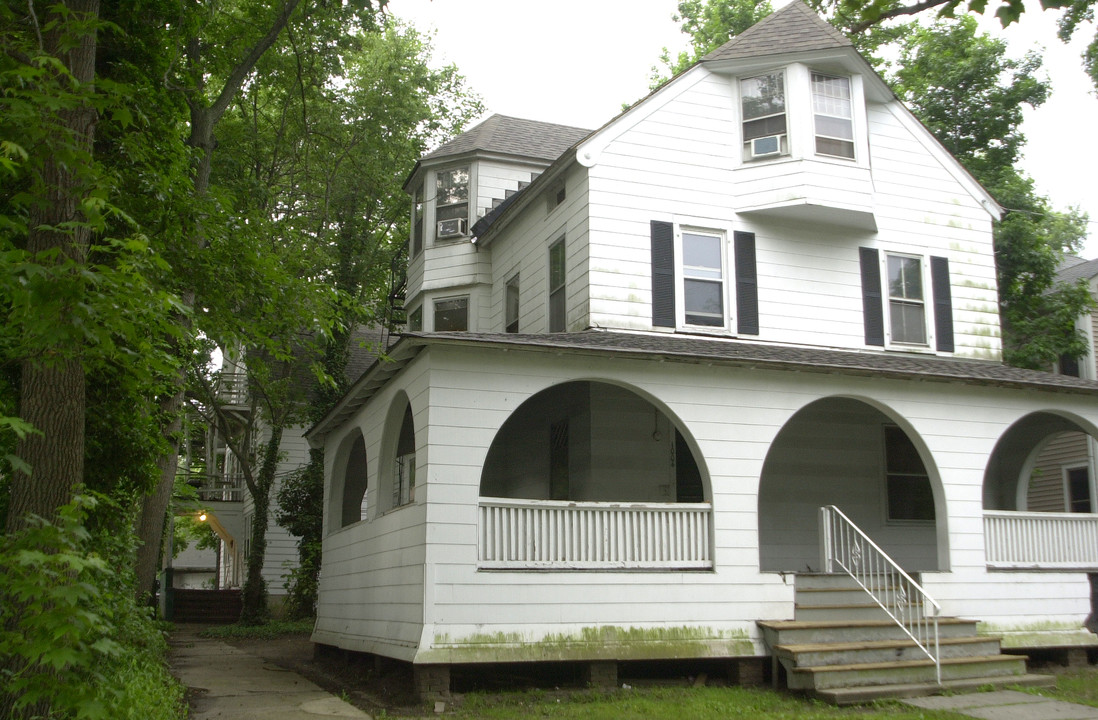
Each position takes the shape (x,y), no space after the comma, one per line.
(1063,474)
(224,497)
(639,362)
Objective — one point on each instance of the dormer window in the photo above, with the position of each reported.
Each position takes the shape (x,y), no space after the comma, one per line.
(452,202)
(762,100)
(834,122)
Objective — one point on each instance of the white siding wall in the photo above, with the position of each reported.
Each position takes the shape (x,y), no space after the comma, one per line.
(680,164)
(734,416)
(371,585)
(524,249)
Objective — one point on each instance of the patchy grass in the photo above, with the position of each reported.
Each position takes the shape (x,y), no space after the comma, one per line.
(666,702)
(273,629)
(1077,685)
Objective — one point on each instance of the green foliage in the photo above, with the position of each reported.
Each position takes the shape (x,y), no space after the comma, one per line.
(72,643)
(710,24)
(269,631)
(301,511)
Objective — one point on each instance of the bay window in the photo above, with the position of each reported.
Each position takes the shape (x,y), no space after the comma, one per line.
(762,101)
(833,115)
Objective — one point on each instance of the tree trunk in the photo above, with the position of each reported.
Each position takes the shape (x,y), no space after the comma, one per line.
(255,610)
(52,386)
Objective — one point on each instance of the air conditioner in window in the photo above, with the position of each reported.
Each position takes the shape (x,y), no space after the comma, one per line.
(452,228)
(766,146)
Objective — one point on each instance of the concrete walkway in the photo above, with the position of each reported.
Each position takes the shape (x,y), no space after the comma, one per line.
(1006,705)
(230,684)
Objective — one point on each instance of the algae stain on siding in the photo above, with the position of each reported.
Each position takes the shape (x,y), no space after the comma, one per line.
(593,643)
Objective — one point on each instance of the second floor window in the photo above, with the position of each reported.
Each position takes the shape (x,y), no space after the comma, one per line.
(452,200)
(762,100)
(452,314)
(703,278)
(833,116)
(906,303)
(511,306)
(417,222)
(556,286)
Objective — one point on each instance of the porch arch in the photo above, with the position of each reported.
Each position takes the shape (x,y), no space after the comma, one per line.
(1018,452)
(593,440)
(397,468)
(836,451)
(347,497)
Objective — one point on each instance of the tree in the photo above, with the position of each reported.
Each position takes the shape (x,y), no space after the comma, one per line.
(967,91)
(710,24)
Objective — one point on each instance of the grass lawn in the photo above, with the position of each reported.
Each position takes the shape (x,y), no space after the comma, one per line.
(675,702)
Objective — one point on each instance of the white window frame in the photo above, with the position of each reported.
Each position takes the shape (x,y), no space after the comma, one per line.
(440,207)
(682,275)
(783,141)
(849,118)
(1065,472)
(926,302)
(453,298)
(562,287)
(514,282)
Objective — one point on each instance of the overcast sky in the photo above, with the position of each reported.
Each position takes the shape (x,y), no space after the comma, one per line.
(575,62)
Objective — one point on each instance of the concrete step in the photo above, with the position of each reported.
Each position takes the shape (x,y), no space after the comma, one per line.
(905,672)
(852,612)
(837,596)
(849,653)
(869,693)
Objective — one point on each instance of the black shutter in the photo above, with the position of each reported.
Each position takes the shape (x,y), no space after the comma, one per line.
(747,284)
(663,274)
(872,303)
(943,303)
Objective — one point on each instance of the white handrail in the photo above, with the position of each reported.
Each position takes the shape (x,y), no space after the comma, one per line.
(845,545)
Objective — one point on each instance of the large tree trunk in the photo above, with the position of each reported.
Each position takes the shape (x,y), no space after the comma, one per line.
(254,597)
(52,386)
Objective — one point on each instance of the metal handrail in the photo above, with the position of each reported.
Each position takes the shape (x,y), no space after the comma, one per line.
(844,544)
(217,488)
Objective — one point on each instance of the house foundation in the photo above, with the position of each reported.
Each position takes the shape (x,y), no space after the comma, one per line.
(432,682)
(602,674)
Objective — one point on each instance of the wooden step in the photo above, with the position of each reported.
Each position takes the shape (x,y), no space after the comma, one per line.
(835,653)
(786,632)
(869,693)
(904,672)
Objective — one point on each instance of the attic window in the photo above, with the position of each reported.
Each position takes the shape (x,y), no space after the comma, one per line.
(833,115)
(762,100)
(557,195)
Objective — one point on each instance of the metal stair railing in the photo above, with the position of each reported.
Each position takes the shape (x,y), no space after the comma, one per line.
(843,544)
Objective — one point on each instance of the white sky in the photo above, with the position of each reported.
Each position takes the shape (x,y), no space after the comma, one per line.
(575,62)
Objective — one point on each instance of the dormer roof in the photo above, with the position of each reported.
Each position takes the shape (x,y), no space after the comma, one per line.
(510,136)
(794,28)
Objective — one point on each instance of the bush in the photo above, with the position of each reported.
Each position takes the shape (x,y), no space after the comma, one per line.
(73,642)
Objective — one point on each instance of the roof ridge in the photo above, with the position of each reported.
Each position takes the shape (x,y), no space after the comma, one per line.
(795,27)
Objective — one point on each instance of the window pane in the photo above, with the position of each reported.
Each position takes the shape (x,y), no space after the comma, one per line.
(1079,490)
(450,212)
(910,498)
(763,95)
(556,265)
(453,186)
(415,320)
(556,311)
(908,323)
(839,148)
(900,453)
(905,278)
(452,315)
(764,127)
(511,311)
(702,254)
(834,127)
(704,302)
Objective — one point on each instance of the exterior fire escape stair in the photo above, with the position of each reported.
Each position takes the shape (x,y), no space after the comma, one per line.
(844,649)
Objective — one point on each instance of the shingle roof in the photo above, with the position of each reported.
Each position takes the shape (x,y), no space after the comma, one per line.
(780,357)
(733,353)
(1074,269)
(791,29)
(513,136)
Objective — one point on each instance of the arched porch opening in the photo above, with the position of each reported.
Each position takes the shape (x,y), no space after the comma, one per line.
(867,462)
(1039,496)
(590,474)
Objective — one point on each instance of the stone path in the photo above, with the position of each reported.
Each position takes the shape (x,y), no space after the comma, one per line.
(1006,705)
(230,684)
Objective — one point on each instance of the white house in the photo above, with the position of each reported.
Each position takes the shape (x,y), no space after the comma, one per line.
(639,362)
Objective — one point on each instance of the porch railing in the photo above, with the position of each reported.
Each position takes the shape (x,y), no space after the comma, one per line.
(845,547)
(217,488)
(563,535)
(232,388)
(1040,541)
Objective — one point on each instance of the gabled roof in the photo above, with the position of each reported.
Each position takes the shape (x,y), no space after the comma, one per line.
(513,136)
(1073,269)
(792,29)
